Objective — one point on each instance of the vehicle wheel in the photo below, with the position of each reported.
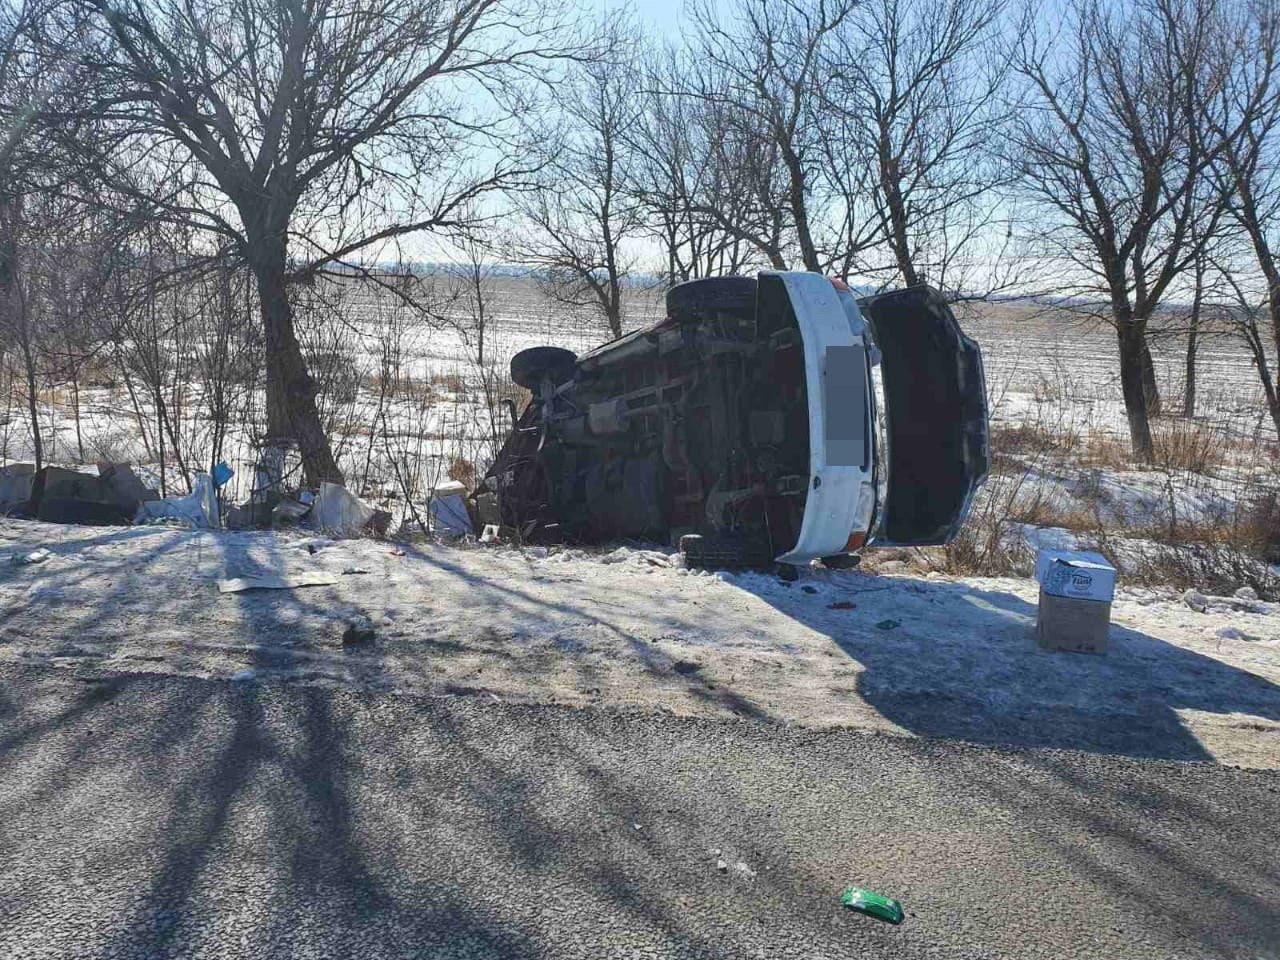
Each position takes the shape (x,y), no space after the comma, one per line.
(712,293)
(530,367)
(842,561)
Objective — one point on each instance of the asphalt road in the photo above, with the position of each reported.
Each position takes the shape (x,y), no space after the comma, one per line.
(162,816)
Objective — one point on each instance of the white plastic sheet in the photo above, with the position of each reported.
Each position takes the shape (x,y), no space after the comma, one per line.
(337,509)
(198,508)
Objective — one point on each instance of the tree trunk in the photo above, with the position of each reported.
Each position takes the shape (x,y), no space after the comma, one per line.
(75,409)
(14,307)
(1273,310)
(33,408)
(1132,347)
(292,414)
(613,306)
(891,187)
(1189,386)
(1150,388)
(1273,401)
(164,478)
(1255,341)
(800,210)
(1193,335)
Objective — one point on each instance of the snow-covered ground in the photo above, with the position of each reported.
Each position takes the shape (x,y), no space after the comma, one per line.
(629,629)
(1042,367)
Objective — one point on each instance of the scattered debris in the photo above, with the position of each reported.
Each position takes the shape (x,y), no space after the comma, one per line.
(1231,633)
(448,511)
(1246,593)
(359,633)
(59,495)
(722,866)
(242,676)
(268,474)
(307,579)
(1196,600)
(288,512)
(35,556)
(686,667)
(873,904)
(842,605)
(15,486)
(242,516)
(339,510)
(380,523)
(744,870)
(352,570)
(222,473)
(199,508)
(397,552)
(130,492)
(888,624)
(490,534)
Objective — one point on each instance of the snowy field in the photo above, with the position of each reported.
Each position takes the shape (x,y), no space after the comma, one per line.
(413,400)
(628,629)
(410,399)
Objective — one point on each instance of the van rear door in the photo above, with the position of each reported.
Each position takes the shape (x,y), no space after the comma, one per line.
(935,417)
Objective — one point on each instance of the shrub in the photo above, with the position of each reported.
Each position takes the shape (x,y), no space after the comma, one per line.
(462,470)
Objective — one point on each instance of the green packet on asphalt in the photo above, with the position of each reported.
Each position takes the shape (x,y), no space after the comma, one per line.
(873,904)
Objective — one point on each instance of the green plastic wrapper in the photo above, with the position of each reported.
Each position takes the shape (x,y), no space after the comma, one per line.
(874,904)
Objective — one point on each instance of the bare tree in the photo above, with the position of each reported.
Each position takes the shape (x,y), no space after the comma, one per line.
(1247,118)
(1111,145)
(25,81)
(911,113)
(303,133)
(582,216)
(761,62)
(698,206)
(1194,315)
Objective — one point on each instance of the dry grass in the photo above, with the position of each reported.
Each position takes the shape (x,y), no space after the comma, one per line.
(463,470)
(1211,567)
(448,382)
(1190,446)
(1153,544)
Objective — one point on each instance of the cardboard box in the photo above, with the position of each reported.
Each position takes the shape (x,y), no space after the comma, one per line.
(1077,574)
(1075,626)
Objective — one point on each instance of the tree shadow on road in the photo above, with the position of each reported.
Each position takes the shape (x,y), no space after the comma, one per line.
(961,662)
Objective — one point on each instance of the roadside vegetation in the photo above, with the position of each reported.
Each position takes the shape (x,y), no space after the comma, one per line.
(328,250)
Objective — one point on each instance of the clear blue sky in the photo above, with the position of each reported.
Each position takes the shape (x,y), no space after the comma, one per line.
(663,15)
